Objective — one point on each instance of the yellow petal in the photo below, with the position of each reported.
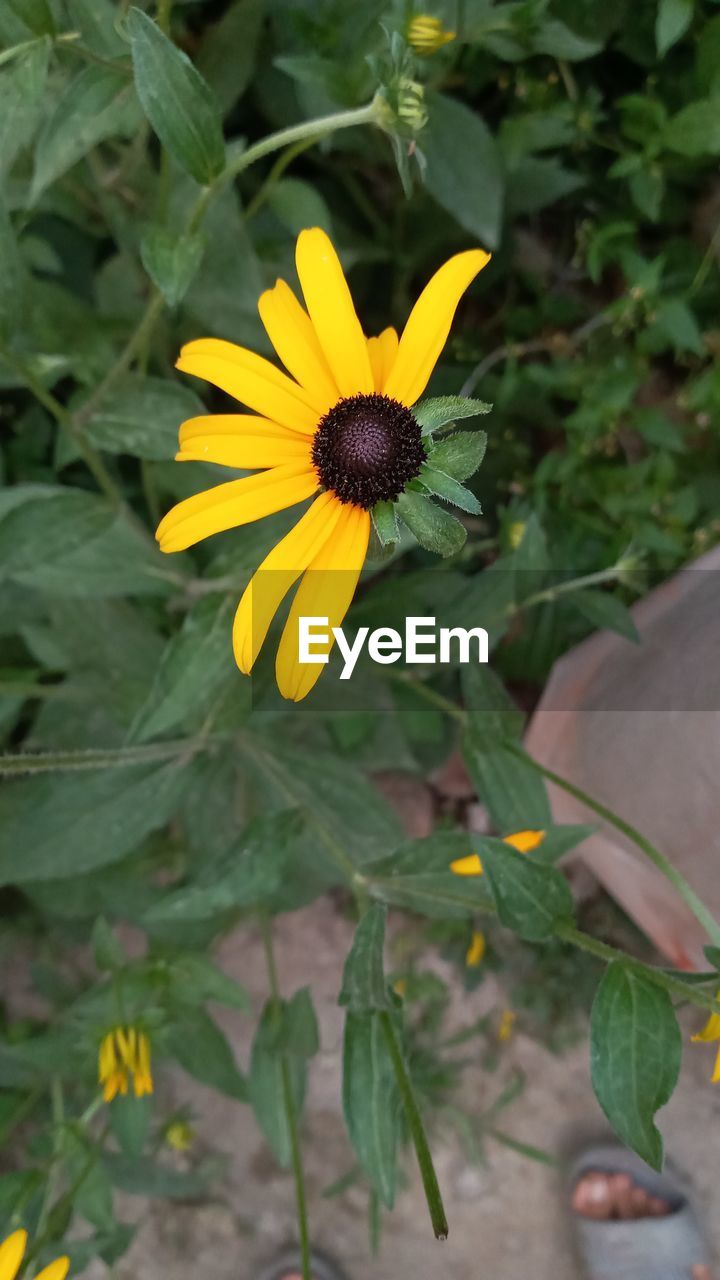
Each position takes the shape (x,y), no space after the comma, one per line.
(716,1072)
(525,841)
(428,325)
(382,351)
(279,570)
(331,309)
(57,1270)
(326,591)
(469,866)
(290,329)
(711,1030)
(11,1254)
(251,380)
(476,951)
(241,440)
(235,503)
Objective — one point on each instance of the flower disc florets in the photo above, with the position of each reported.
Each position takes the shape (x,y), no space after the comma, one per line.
(367,448)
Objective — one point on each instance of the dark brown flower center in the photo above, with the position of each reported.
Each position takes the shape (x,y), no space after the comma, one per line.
(367,448)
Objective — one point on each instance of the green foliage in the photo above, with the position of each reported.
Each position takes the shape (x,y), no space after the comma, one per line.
(149,192)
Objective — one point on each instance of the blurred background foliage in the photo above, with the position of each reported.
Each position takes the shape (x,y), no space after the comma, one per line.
(579,142)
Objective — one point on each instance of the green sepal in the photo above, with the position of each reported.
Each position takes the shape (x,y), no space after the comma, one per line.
(458,455)
(443,486)
(436,530)
(384,518)
(435,413)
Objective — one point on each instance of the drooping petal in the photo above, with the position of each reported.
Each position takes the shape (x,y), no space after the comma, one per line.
(382,351)
(277,573)
(331,309)
(56,1270)
(234,503)
(290,329)
(467,866)
(241,440)
(711,1030)
(11,1254)
(428,325)
(326,591)
(525,841)
(250,379)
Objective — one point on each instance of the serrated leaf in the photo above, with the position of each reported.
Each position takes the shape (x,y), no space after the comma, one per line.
(417,877)
(458,455)
(385,523)
(270,1070)
(172,261)
(371,1103)
(436,412)
(635,1053)
(179,104)
(364,985)
(531,897)
(436,530)
(98,103)
(142,417)
(443,486)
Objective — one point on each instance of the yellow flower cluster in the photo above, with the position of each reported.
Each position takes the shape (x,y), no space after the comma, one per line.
(124,1054)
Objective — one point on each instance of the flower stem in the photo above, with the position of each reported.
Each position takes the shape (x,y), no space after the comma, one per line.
(417,1131)
(289,1105)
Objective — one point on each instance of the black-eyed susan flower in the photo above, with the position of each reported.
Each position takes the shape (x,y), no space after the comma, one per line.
(338,427)
(475,953)
(124,1056)
(710,1033)
(427,34)
(523,841)
(12,1252)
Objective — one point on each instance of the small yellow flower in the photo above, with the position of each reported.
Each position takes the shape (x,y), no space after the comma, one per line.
(709,1033)
(338,427)
(476,951)
(12,1251)
(507,1025)
(179,1135)
(523,841)
(124,1053)
(427,34)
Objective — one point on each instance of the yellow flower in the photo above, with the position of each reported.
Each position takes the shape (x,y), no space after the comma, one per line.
(523,841)
(476,951)
(507,1025)
(709,1033)
(339,427)
(124,1053)
(427,34)
(179,1135)
(12,1251)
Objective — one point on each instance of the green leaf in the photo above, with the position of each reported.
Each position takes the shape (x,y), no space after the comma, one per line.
(556,38)
(196,979)
(677,323)
(142,417)
(147,1177)
(107,950)
(56,826)
(672,21)
(443,486)
(35,14)
(297,204)
(268,1064)
(417,877)
(95,20)
(300,1036)
(195,664)
(202,1050)
(98,103)
(531,897)
(385,523)
(364,985)
(534,182)
(434,529)
(512,791)
(228,51)
(695,130)
(13,282)
(172,261)
(130,1122)
(176,100)
(460,454)
(22,90)
(635,1052)
(604,610)
(439,410)
(371,1101)
(248,873)
(463,173)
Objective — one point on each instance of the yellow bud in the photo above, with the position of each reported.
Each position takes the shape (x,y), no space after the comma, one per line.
(426,34)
